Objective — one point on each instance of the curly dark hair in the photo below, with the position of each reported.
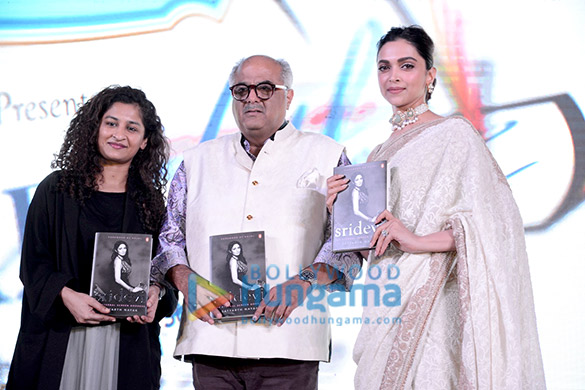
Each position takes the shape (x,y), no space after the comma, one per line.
(81,162)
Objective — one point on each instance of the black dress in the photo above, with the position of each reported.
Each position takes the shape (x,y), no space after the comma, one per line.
(52,245)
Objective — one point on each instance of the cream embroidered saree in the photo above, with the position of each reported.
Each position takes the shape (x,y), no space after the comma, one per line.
(466,319)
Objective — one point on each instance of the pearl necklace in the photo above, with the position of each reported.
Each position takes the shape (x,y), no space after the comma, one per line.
(402,119)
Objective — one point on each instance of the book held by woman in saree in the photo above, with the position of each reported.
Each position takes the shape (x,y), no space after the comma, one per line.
(357,207)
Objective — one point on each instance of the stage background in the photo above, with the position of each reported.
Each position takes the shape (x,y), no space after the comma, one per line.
(513,67)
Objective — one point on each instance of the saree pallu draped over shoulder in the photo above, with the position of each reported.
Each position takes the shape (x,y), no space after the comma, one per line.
(465,319)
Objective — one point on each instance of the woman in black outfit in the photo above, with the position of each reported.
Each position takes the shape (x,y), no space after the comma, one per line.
(110,177)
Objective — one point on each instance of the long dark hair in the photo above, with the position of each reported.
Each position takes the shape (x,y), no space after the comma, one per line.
(230,253)
(361,189)
(81,162)
(417,37)
(115,252)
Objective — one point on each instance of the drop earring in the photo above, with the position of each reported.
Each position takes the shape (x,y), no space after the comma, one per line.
(431,88)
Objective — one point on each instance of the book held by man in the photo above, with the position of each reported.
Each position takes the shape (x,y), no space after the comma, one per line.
(238,265)
(121,272)
(357,207)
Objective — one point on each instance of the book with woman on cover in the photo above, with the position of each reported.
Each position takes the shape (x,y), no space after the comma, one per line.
(238,265)
(121,272)
(357,207)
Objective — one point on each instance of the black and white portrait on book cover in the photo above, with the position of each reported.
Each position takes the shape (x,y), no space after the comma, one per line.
(238,265)
(356,208)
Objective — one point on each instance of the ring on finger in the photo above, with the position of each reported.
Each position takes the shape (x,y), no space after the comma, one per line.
(384,233)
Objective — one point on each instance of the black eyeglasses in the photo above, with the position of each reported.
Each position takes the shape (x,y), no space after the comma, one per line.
(264,90)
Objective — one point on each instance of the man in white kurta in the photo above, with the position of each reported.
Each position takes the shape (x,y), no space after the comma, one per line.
(269,177)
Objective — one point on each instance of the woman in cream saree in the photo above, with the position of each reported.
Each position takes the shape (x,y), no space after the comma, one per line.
(466,316)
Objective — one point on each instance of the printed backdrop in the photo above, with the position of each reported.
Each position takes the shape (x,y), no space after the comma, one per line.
(513,67)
